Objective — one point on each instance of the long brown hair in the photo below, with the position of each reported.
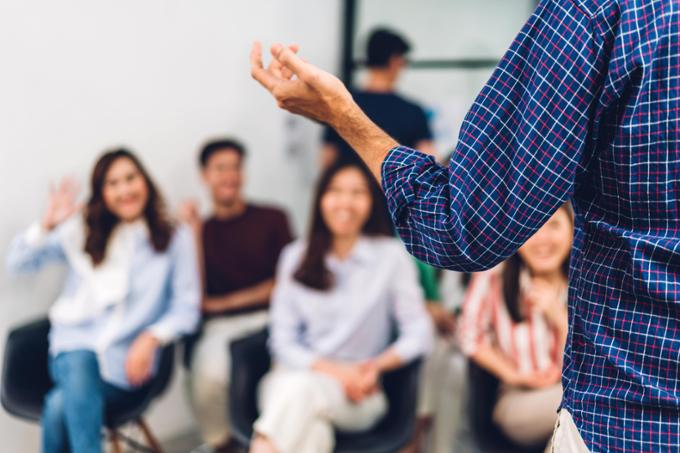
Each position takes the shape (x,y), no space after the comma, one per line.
(512,270)
(100,221)
(313,272)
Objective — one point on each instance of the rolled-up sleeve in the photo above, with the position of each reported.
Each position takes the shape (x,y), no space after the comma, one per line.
(34,248)
(520,150)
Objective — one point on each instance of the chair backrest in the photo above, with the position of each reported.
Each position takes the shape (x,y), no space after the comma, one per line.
(25,378)
(483,393)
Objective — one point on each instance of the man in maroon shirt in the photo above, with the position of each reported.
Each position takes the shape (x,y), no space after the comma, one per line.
(240,245)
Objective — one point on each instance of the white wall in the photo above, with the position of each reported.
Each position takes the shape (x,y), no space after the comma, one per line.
(159,76)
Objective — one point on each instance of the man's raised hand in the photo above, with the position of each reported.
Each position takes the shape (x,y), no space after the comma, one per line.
(300,87)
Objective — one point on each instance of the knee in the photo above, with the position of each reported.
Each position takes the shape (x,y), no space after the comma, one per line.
(53,409)
(302,389)
(207,390)
(78,371)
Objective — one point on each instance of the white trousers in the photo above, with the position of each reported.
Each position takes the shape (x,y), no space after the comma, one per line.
(566,438)
(208,382)
(300,409)
(527,416)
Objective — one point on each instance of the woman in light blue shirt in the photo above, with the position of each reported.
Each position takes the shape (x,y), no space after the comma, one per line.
(338,298)
(132,285)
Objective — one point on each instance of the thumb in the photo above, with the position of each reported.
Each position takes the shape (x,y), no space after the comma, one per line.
(289,58)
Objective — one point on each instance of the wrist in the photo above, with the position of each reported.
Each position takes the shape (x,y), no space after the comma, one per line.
(151,339)
(345,113)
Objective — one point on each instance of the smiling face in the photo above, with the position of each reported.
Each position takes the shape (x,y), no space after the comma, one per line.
(223,174)
(125,191)
(547,249)
(346,204)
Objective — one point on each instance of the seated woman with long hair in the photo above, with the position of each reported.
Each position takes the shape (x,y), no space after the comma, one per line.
(132,285)
(514,324)
(338,297)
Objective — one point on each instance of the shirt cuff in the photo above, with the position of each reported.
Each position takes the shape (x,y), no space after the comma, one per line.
(399,171)
(35,235)
(162,333)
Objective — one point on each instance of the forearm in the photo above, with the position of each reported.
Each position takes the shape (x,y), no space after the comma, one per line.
(364,136)
(494,361)
(255,295)
(388,360)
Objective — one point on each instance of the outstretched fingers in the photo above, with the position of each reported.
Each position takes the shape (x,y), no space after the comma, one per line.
(257,70)
(291,61)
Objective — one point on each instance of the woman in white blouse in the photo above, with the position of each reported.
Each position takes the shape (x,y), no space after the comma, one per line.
(338,297)
(131,285)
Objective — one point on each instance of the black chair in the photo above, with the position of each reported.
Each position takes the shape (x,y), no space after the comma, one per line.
(26,381)
(483,392)
(251,360)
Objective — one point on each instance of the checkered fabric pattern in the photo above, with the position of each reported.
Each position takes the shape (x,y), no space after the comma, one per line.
(585,106)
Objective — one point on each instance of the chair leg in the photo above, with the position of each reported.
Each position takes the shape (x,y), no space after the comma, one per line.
(115,442)
(148,435)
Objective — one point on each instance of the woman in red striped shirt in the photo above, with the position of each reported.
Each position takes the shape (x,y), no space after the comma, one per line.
(514,324)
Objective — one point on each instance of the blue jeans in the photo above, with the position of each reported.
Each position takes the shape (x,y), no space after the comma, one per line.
(74,409)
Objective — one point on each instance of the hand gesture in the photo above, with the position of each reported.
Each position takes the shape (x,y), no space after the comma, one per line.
(543,297)
(139,359)
(350,376)
(538,379)
(300,87)
(189,213)
(444,322)
(62,203)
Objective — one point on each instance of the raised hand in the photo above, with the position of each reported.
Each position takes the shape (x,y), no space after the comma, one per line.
(548,300)
(300,87)
(306,90)
(62,203)
(189,213)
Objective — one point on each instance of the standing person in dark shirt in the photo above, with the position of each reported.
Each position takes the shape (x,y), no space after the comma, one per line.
(399,117)
(240,243)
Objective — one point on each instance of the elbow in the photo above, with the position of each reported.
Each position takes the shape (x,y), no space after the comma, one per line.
(444,252)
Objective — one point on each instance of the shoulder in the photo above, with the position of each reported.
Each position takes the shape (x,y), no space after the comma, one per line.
(484,283)
(292,254)
(409,104)
(182,237)
(388,249)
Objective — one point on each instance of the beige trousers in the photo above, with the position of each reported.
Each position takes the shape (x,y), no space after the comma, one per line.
(527,417)
(441,395)
(208,381)
(566,438)
(300,409)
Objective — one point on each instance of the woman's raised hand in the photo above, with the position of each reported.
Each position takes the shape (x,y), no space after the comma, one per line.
(62,203)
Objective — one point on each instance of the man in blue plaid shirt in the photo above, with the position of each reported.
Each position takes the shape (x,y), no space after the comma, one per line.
(585,106)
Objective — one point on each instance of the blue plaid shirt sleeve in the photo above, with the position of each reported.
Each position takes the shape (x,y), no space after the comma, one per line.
(520,149)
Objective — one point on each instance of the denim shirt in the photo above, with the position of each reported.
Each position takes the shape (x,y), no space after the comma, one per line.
(161,295)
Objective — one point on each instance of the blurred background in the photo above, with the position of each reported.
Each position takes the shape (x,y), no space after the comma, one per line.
(163,76)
